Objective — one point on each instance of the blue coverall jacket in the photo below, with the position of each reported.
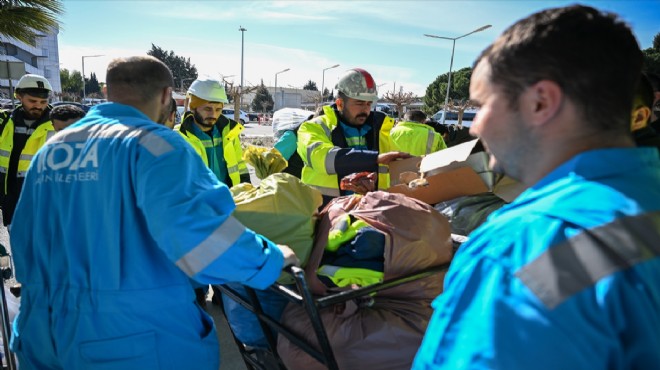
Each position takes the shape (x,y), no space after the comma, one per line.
(567,276)
(117,215)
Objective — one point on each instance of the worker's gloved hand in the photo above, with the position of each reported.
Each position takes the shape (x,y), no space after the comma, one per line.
(290,258)
(388,157)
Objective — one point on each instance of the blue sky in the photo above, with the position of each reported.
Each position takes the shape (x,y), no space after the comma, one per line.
(383,37)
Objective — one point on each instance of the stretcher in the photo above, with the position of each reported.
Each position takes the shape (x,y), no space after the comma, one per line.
(254,358)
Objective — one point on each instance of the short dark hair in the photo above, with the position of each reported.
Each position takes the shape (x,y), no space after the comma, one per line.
(138,78)
(66,112)
(415,115)
(643,93)
(33,91)
(437,126)
(580,49)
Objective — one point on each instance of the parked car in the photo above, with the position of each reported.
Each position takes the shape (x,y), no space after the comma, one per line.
(81,106)
(229,113)
(452,117)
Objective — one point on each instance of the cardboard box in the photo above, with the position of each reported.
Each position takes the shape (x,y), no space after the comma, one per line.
(450,173)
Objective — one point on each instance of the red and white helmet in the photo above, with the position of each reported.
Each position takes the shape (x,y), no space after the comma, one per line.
(358,84)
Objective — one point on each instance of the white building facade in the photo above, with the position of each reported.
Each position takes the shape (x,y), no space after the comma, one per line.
(42,59)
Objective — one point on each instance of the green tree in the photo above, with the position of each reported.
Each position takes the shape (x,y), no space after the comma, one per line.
(71,82)
(263,101)
(434,100)
(23,20)
(652,56)
(92,84)
(310,85)
(183,71)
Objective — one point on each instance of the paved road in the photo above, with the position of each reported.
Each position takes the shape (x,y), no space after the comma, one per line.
(254,129)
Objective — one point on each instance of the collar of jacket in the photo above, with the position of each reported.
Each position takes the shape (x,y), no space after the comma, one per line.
(18,116)
(375,119)
(235,128)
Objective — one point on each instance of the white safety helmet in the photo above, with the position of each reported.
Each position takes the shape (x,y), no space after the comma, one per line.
(358,84)
(34,83)
(209,90)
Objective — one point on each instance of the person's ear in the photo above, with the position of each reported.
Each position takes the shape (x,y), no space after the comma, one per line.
(540,102)
(340,103)
(640,117)
(166,95)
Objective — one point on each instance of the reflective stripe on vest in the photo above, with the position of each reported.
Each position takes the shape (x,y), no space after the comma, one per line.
(325,180)
(429,141)
(231,151)
(358,141)
(24,130)
(581,261)
(206,252)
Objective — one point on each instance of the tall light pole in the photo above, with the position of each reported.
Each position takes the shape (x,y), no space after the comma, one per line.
(242,29)
(323,80)
(83,74)
(451,63)
(282,71)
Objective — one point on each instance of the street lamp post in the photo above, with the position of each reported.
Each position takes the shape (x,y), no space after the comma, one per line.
(83,74)
(282,71)
(242,29)
(451,63)
(323,80)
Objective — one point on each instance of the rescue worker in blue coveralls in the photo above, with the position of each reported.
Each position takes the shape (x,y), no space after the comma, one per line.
(24,131)
(133,214)
(567,276)
(349,137)
(214,137)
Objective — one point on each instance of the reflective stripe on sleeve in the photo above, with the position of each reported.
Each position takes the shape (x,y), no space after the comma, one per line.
(330,161)
(4,153)
(310,149)
(232,169)
(155,144)
(198,258)
(580,262)
(383,168)
(330,192)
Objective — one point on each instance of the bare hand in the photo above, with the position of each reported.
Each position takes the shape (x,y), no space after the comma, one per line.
(386,158)
(290,257)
